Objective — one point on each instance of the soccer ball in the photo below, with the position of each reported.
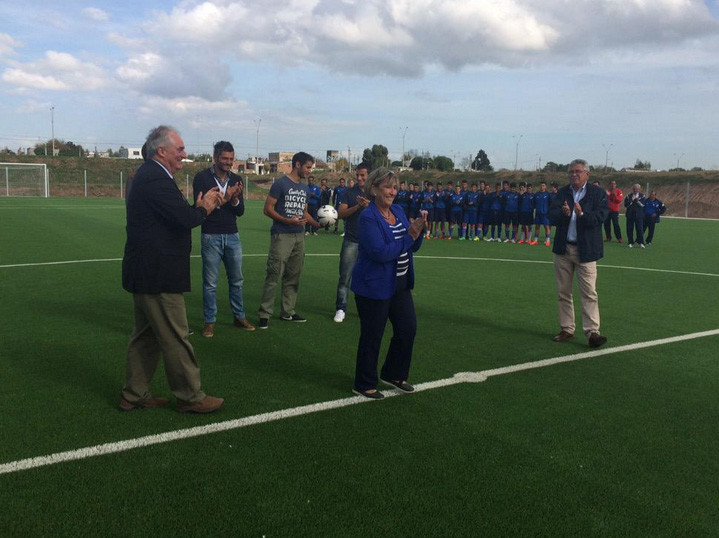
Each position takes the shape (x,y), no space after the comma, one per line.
(326,215)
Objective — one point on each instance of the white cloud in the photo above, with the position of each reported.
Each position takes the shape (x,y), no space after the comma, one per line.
(7,45)
(56,71)
(31,106)
(407,37)
(191,73)
(96,14)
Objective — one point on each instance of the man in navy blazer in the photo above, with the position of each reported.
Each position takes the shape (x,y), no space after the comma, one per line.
(156,270)
(578,212)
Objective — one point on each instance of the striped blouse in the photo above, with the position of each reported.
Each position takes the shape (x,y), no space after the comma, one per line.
(399,232)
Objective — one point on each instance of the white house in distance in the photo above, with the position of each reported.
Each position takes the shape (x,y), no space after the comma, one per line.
(130,153)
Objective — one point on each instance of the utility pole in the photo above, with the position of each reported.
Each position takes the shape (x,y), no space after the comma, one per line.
(349,160)
(606,155)
(52,128)
(516,149)
(403,135)
(679,158)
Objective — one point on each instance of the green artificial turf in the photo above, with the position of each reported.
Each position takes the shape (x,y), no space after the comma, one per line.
(618,445)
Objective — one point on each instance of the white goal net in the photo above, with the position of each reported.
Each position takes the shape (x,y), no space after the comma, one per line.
(21,179)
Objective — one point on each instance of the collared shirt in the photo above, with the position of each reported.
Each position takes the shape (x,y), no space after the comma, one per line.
(572,230)
(221,184)
(165,169)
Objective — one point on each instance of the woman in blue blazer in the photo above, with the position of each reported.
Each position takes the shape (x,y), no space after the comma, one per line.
(382,280)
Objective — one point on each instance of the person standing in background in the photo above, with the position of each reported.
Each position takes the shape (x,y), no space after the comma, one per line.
(653,209)
(615,197)
(635,215)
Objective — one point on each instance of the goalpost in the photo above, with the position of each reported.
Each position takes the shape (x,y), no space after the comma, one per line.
(24,179)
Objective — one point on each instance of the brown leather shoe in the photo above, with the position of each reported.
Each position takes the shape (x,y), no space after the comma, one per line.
(208,405)
(562,336)
(208,330)
(244,324)
(597,340)
(150,403)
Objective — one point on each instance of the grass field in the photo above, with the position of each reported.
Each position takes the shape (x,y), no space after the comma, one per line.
(619,444)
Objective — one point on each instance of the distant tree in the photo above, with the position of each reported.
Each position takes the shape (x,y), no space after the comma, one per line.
(697,169)
(396,164)
(422,162)
(481,162)
(443,164)
(341,164)
(551,166)
(642,165)
(377,156)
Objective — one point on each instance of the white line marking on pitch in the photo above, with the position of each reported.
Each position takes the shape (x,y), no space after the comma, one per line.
(263,418)
(545,262)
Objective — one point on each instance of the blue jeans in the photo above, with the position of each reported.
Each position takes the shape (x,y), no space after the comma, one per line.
(216,248)
(348,259)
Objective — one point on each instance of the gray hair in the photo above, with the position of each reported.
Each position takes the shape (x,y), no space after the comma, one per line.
(580,162)
(376,177)
(158,137)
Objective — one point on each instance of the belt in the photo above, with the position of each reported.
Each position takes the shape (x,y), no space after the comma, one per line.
(572,243)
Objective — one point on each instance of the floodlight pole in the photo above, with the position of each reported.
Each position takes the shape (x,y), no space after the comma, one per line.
(52,128)
(258,121)
(516,149)
(403,135)
(606,155)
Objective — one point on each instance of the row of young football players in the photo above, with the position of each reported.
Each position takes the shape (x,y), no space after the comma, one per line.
(475,212)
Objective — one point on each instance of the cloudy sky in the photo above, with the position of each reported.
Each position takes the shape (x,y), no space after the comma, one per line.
(539,80)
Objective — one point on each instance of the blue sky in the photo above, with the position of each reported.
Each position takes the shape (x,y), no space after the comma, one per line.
(638,77)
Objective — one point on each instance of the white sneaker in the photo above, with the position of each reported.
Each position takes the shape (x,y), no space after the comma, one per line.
(630,245)
(339,316)
(642,245)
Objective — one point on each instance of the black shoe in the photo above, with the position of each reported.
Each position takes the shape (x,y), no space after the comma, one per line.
(372,394)
(401,385)
(597,340)
(294,317)
(264,323)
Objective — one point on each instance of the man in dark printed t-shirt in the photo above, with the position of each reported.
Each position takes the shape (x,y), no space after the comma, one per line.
(286,205)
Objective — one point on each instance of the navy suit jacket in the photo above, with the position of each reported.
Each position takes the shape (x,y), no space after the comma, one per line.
(595,207)
(159,241)
(375,273)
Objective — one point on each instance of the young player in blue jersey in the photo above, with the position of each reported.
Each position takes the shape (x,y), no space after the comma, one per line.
(402,198)
(542,200)
(526,212)
(485,211)
(511,213)
(497,213)
(440,212)
(314,195)
(653,209)
(456,205)
(471,213)
(503,197)
(428,206)
(415,201)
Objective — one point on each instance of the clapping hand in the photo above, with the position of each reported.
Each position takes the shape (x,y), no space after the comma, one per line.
(566,209)
(211,200)
(417,226)
(232,193)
